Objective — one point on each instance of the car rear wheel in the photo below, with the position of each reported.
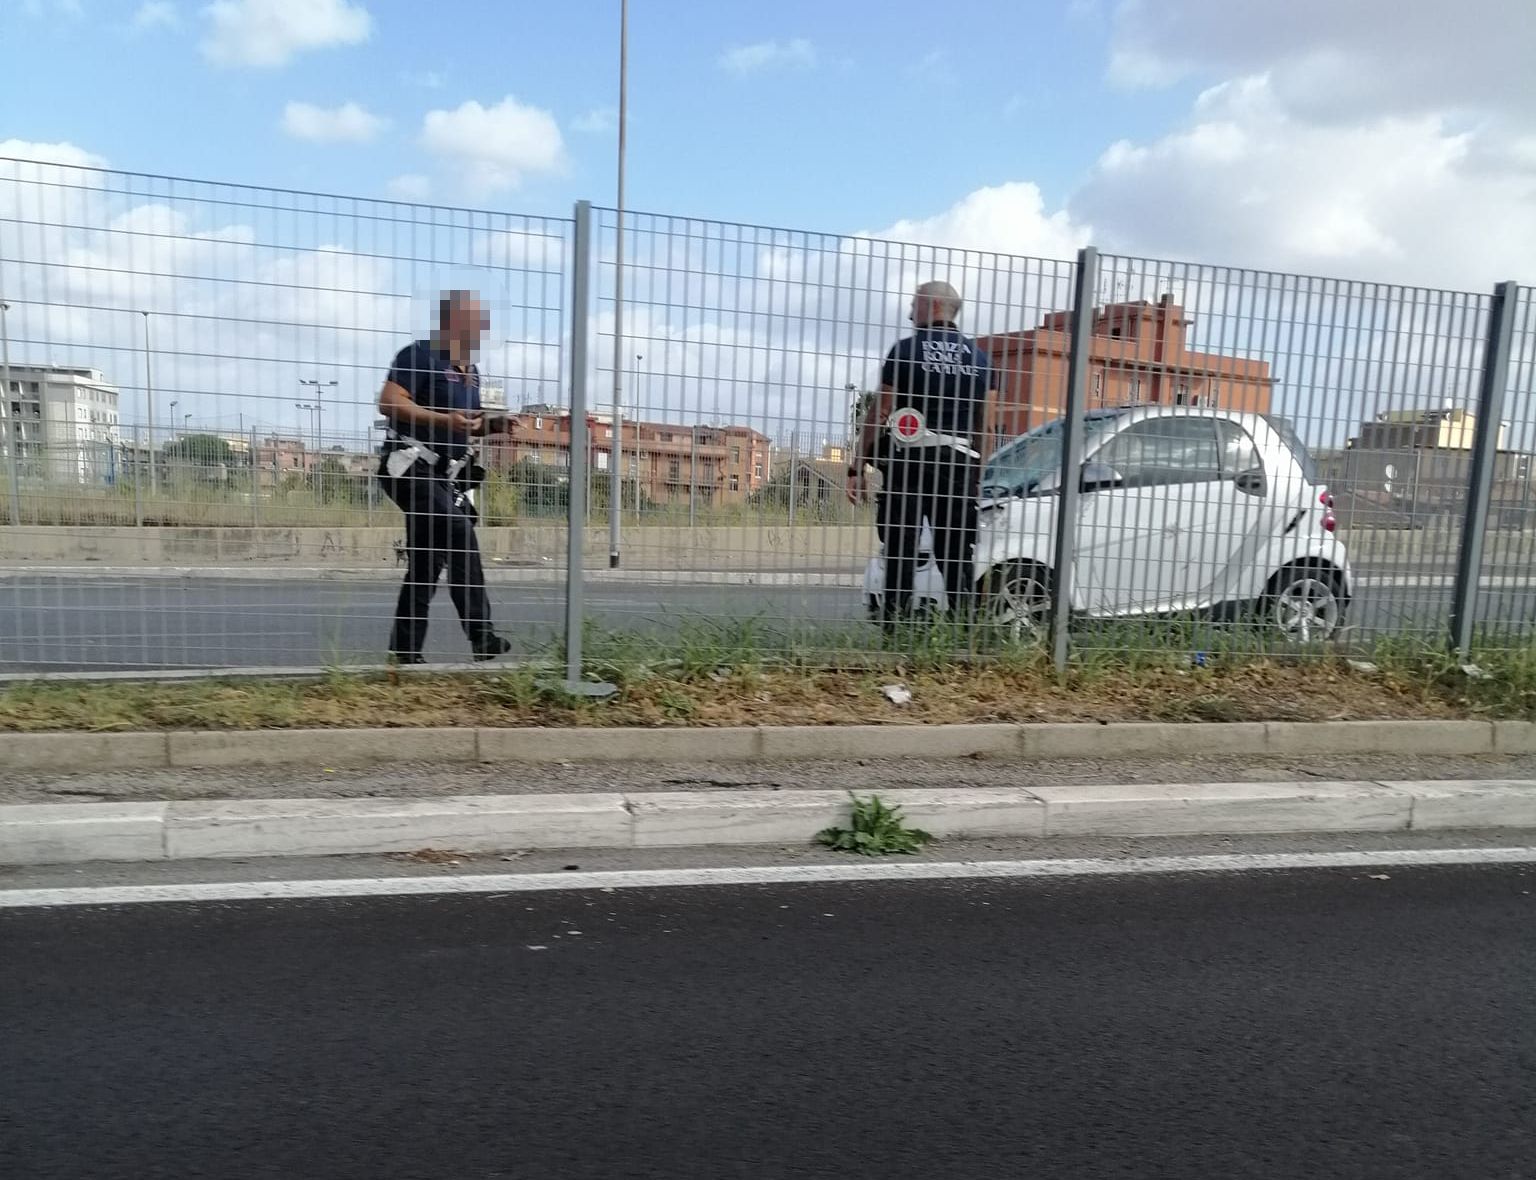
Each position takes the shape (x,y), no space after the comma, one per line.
(1018,601)
(1304,604)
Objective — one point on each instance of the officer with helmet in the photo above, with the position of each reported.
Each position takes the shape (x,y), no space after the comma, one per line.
(924,432)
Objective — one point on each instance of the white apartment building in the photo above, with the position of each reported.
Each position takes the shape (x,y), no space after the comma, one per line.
(62,422)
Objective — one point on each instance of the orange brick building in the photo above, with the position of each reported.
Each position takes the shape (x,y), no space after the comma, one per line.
(668,463)
(1139,355)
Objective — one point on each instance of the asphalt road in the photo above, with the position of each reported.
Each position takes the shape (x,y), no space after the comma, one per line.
(1301,1024)
(68,623)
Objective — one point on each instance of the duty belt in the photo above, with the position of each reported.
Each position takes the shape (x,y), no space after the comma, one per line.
(401,460)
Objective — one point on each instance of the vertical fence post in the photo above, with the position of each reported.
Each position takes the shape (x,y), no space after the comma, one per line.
(1485,451)
(138,477)
(13,420)
(149,406)
(794,474)
(255,482)
(1084,286)
(576,500)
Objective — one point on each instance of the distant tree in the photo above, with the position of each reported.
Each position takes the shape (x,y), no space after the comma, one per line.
(541,490)
(334,484)
(202,458)
(201,450)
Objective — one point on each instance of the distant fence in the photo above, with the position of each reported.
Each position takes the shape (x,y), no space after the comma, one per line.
(184,360)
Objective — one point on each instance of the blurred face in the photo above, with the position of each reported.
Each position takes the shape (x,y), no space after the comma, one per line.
(923,310)
(467,321)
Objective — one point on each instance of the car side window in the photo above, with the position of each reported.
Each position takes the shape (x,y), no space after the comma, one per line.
(1161,451)
(1238,454)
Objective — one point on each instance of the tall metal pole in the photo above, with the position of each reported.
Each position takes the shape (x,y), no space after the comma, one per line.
(13,441)
(149,406)
(1485,456)
(1087,280)
(576,506)
(615,475)
(319,406)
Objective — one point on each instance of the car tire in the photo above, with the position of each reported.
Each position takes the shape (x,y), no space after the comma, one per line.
(1304,604)
(1017,601)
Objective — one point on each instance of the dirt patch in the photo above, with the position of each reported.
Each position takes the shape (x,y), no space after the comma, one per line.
(1246,691)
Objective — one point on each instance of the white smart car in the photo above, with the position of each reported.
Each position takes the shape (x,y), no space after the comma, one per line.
(1183,510)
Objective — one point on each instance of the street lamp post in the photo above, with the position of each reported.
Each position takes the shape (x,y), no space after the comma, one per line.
(313,411)
(615,475)
(318,386)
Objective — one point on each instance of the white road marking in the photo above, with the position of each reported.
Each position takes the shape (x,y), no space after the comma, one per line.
(111,895)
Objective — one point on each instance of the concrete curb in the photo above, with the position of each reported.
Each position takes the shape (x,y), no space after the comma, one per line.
(194,749)
(75,832)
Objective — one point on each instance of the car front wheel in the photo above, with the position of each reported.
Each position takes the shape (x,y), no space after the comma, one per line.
(1018,601)
(1304,604)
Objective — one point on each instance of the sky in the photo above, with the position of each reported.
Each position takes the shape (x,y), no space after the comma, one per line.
(1385,140)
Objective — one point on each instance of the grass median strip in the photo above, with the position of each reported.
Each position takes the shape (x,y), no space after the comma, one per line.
(718,679)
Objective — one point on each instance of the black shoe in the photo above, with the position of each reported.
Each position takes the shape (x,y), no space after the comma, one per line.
(489,646)
(406,657)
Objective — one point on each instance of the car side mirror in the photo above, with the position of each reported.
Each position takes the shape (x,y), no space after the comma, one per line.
(1099,477)
(1250,483)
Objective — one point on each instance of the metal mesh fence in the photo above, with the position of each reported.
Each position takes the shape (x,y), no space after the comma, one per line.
(1303,458)
(745,361)
(191,435)
(190,429)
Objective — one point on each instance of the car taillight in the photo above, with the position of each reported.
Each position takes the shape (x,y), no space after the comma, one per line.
(1330,522)
(1325,498)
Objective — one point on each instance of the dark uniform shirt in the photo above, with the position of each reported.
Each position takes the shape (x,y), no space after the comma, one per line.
(943,375)
(424,371)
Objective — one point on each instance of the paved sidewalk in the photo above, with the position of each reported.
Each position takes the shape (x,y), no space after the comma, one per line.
(435,780)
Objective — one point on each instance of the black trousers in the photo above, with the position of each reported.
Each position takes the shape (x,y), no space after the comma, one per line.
(940,484)
(439,535)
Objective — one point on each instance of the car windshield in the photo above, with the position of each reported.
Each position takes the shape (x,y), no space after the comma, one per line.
(1021,466)
(1298,448)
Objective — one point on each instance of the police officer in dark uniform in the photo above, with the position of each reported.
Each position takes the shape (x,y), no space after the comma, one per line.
(924,433)
(431,400)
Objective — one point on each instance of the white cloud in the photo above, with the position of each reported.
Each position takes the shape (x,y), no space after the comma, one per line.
(1333,60)
(597,122)
(410,187)
(1409,198)
(48,153)
(495,147)
(156,14)
(1006,219)
(268,33)
(348,123)
(797,54)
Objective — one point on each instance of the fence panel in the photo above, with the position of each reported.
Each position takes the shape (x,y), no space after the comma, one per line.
(1293,424)
(746,357)
(190,422)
